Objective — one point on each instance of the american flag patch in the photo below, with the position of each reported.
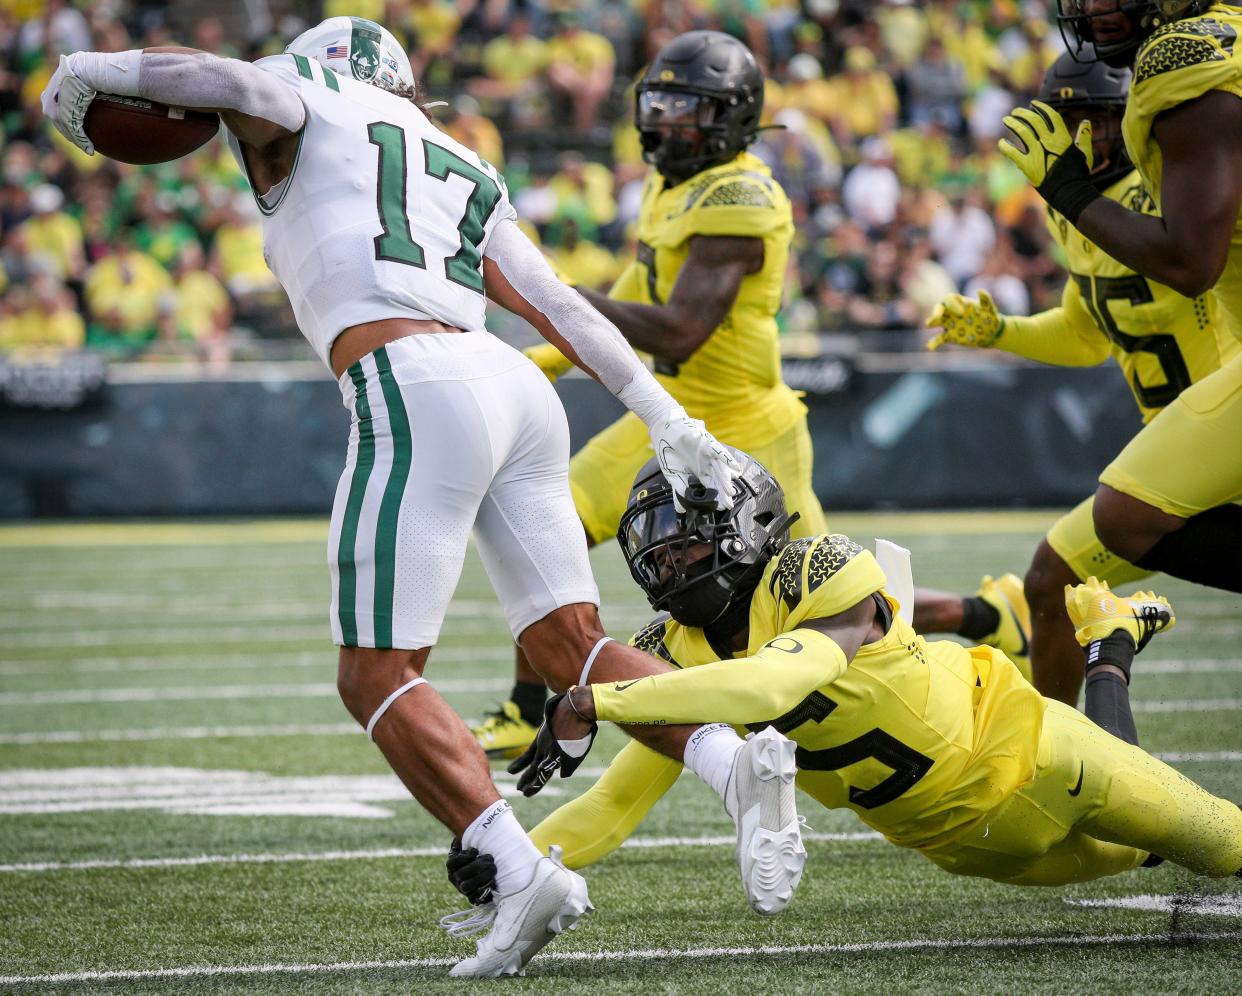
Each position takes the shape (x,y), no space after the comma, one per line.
(338,51)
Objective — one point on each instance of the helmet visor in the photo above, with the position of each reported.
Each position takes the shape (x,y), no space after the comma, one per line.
(674,109)
(660,545)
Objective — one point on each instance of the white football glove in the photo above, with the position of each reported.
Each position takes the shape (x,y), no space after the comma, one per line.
(65,100)
(687,450)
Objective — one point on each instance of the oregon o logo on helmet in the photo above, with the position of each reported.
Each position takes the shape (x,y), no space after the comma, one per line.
(1067,92)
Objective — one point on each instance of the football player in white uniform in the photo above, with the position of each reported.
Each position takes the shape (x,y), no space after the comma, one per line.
(387,235)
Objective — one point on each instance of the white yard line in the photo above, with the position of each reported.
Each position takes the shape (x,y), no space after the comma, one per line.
(180,733)
(374,855)
(338,730)
(313,690)
(632,954)
(1187,705)
(260,631)
(490,654)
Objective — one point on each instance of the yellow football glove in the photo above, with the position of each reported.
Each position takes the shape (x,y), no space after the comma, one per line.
(964,322)
(550,360)
(1057,164)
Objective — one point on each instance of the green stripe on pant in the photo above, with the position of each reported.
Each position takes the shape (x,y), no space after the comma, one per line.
(390,507)
(347,587)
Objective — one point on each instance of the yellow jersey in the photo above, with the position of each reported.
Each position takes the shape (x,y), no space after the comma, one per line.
(1180,62)
(1163,341)
(922,739)
(733,381)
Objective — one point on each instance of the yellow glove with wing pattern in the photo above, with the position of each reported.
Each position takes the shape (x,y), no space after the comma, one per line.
(965,322)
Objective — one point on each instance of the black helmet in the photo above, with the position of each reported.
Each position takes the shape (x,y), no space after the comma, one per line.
(714,590)
(1078,26)
(705,82)
(1093,87)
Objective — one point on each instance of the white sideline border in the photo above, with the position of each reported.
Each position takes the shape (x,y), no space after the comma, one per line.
(635,954)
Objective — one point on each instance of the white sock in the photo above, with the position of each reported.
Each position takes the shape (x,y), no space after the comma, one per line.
(710,753)
(496,831)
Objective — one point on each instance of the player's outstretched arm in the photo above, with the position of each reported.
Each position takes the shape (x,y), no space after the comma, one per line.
(256,106)
(1066,336)
(1200,199)
(1187,246)
(706,287)
(752,689)
(518,277)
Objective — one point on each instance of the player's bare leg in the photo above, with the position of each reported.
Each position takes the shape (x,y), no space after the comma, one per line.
(938,611)
(421,736)
(508,731)
(755,779)
(996,614)
(437,759)
(1055,656)
(1205,548)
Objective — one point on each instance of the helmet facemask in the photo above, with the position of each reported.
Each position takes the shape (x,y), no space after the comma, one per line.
(1092,90)
(698,103)
(702,565)
(1111,160)
(681,131)
(1116,30)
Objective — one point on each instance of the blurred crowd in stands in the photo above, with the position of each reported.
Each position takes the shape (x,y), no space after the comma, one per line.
(889,112)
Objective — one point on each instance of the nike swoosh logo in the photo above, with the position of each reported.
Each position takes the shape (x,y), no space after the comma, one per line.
(622,688)
(1078,788)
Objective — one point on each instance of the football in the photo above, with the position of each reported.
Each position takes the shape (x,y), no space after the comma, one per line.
(140,132)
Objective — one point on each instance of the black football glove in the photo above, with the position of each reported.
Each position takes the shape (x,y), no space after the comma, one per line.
(544,757)
(471,873)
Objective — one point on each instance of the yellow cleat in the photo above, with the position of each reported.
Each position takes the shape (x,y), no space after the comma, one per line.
(1013,636)
(504,733)
(1097,612)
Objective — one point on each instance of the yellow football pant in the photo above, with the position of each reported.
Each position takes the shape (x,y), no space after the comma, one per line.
(1073,538)
(1127,805)
(602,473)
(1182,461)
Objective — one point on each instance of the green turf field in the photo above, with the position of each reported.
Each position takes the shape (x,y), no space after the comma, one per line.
(185,805)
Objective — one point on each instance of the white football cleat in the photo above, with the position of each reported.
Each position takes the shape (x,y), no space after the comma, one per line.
(760,798)
(521,922)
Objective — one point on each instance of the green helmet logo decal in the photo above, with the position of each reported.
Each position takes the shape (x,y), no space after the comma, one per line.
(364,49)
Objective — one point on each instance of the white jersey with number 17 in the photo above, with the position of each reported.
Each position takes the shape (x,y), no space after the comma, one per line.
(383,216)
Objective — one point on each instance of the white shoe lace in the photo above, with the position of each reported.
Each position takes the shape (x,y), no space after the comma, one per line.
(467,923)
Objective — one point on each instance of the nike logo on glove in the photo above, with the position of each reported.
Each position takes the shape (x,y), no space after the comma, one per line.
(1078,788)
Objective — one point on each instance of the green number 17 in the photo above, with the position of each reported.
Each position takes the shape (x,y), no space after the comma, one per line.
(396,244)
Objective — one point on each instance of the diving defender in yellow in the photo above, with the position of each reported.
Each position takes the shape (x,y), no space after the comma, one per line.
(939,747)
(1163,342)
(1183,130)
(700,298)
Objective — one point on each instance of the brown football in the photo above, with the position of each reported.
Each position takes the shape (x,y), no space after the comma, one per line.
(141,132)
